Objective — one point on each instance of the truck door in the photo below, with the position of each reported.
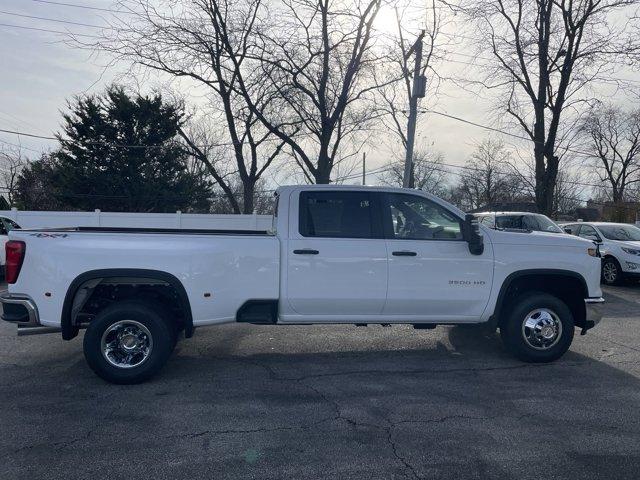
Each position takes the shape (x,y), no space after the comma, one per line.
(336,256)
(432,274)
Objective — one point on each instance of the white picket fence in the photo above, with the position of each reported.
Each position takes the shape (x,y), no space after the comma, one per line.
(37,219)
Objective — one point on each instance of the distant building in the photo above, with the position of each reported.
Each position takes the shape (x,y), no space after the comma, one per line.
(627,212)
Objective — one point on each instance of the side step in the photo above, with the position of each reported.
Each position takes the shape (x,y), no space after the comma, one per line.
(37,330)
(425,326)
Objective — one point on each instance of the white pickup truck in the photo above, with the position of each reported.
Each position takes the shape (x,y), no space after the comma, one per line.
(336,255)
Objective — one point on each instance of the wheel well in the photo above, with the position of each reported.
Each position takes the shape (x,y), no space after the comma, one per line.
(93,291)
(568,287)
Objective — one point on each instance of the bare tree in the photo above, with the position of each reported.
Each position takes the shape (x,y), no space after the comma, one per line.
(613,137)
(320,57)
(12,161)
(429,173)
(546,53)
(485,181)
(184,40)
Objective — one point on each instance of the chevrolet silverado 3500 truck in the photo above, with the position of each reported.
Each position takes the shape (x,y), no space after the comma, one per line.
(336,255)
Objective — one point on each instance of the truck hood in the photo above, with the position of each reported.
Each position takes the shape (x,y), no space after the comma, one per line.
(535,238)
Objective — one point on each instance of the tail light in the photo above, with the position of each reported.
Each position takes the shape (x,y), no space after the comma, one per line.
(15,256)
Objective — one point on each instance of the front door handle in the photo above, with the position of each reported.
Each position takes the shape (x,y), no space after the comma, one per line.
(306,251)
(404,253)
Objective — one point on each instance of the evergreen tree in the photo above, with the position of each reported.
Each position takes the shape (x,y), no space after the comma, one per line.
(121,153)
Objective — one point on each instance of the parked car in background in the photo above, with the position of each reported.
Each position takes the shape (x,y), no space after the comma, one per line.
(6,225)
(534,222)
(619,244)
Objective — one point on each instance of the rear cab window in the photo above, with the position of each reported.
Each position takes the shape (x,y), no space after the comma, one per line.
(338,214)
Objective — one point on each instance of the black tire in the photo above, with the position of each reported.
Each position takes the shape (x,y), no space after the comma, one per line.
(519,339)
(137,317)
(611,272)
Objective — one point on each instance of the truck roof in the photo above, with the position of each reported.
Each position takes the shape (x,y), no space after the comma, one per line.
(333,186)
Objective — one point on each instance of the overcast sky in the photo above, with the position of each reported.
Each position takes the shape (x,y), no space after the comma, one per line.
(39,73)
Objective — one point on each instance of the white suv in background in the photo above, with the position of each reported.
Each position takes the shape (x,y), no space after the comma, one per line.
(619,244)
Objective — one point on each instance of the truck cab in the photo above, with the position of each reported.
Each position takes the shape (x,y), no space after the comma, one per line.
(335,255)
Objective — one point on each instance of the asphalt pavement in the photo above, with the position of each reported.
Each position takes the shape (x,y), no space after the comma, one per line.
(298,402)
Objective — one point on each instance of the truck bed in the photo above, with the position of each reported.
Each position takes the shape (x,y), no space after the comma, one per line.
(219,269)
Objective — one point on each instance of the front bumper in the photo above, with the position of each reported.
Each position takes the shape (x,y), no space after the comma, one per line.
(594,308)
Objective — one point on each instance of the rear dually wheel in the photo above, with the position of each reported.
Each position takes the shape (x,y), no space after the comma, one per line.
(129,342)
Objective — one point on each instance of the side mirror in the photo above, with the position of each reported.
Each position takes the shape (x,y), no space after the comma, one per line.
(567,230)
(471,233)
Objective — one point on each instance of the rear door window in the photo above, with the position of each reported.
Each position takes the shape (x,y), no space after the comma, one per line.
(337,215)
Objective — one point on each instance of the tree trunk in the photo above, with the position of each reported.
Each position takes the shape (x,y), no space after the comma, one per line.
(322,174)
(617,194)
(248,196)
(546,175)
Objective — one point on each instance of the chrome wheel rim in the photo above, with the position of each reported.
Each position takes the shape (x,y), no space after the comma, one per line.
(610,272)
(541,329)
(126,344)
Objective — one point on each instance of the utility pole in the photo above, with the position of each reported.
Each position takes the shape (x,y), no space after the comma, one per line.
(418,91)
(364,168)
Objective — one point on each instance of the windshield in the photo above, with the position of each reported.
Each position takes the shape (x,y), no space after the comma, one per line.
(533,221)
(620,232)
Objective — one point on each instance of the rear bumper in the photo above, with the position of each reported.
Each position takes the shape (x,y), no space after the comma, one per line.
(19,309)
(594,308)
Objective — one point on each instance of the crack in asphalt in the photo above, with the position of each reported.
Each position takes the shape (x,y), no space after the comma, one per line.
(399,457)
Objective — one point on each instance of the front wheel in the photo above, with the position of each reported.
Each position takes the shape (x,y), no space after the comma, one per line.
(538,329)
(611,271)
(128,342)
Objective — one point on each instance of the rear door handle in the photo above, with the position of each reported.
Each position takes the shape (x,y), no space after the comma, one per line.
(404,253)
(306,251)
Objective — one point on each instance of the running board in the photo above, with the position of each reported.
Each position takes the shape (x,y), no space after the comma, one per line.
(38,330)
(24,330)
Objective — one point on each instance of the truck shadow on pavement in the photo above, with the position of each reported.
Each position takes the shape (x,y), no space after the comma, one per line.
(324,402)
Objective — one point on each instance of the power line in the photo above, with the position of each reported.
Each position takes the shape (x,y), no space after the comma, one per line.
(25,134)
(75,5)
(116,145)
(59,32)
(69,22)
(503,132)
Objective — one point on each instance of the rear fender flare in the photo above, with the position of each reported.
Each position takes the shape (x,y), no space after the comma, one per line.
(69,330)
